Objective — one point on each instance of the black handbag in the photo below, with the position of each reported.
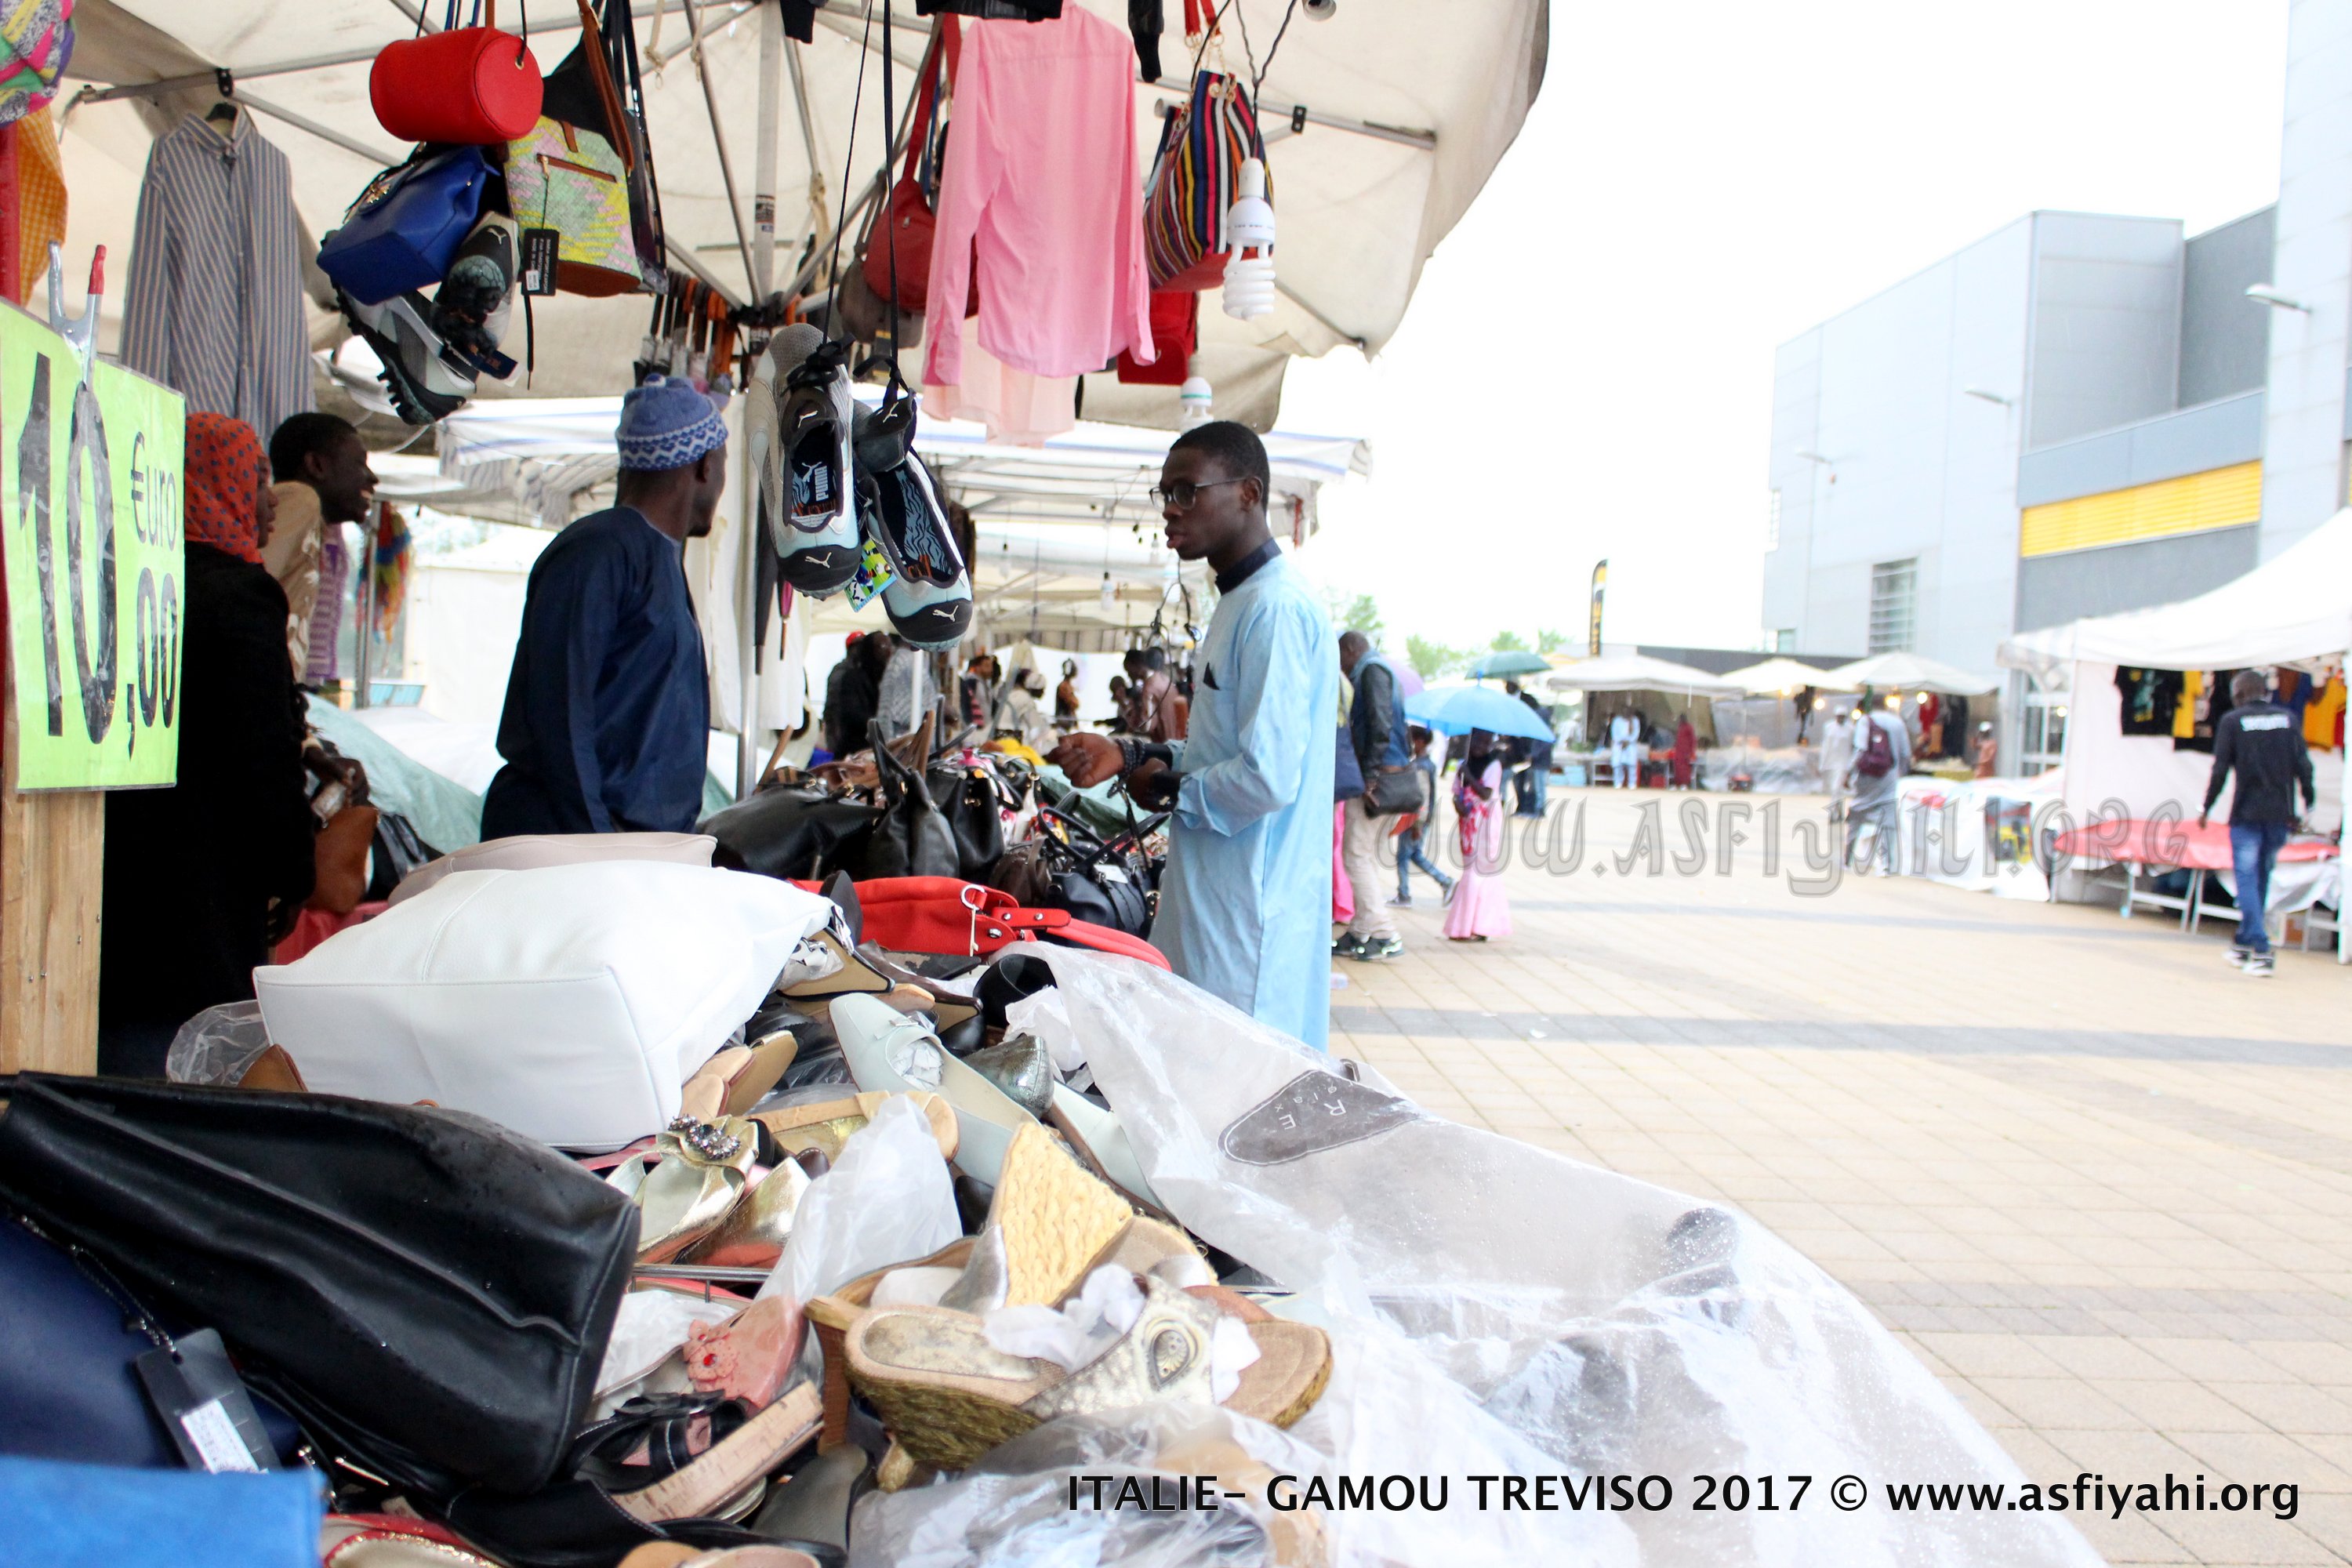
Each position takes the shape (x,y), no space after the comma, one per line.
(428,1293)
(398,850)
(791,831)
(910,837)
(1104,882)
(968,798)
(1389,791)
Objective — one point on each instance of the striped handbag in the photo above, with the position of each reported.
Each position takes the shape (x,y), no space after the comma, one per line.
(1193,180)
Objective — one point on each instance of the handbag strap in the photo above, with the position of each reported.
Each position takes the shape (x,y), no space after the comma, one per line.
(600,72)
(946,43)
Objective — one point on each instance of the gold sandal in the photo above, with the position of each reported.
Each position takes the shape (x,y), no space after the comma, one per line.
(685,1186)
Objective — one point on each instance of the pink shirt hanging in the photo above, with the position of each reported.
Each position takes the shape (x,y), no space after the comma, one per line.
(1041,174)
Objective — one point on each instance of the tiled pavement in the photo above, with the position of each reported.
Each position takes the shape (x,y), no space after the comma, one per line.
(2098,1181)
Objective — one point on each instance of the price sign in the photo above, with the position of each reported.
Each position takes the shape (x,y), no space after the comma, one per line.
(90,476)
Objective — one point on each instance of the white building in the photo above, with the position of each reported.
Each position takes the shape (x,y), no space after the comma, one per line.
(2076,415)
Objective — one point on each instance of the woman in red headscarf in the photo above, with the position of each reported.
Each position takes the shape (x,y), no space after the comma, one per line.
(197,873)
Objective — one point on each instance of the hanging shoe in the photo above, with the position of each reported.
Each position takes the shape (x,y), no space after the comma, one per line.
(470,308)
(815,532)
(426,381)
(928,597)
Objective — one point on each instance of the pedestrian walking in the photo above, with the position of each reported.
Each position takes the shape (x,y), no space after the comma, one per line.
(1882,755)
(1479,907)
(2260,742)
(1413,840)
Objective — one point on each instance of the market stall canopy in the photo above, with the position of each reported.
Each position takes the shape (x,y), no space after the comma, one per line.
(1069,544)
(1779,677)
(1382,124)
(1456,710)
(2296,606)
(1903,672)
(1638,672)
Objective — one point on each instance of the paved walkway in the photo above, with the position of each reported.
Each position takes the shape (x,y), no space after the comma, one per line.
(2099,1180)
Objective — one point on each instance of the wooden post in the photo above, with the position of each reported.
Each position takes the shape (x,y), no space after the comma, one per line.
(52,861)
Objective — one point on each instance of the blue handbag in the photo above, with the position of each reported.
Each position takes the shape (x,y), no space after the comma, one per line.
(66,1387)
(406,227)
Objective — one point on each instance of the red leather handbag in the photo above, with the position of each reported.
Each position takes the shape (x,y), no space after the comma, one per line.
(943,914)
(900,238)
(473,86)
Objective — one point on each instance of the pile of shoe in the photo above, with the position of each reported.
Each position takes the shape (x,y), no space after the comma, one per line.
(843,499)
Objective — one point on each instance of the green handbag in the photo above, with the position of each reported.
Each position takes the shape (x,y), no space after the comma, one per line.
(572,181)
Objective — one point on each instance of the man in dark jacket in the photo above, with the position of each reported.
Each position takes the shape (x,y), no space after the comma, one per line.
(1376,734)
(853,693)
(2263,743)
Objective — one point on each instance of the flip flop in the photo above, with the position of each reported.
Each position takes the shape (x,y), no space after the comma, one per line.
(888,1050)
(949,1396)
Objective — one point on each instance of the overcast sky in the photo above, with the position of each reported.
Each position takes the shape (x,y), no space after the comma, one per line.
(1586,370)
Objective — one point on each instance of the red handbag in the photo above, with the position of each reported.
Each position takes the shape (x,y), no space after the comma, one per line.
(908,223)
(473,86)
(943,914)
(1175,333)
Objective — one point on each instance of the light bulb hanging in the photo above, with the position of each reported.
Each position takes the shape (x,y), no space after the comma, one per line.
(1196,397)
(1249,235)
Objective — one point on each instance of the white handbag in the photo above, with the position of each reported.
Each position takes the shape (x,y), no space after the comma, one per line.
(568,1003)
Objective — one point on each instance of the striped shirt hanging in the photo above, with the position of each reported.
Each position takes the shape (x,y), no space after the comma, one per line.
(214,304)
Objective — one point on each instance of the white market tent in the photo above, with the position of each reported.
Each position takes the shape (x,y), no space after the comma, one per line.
(1638,672)
(1058,524)
(1382,127)
(1903,672)
(1780,676)
(2293,609)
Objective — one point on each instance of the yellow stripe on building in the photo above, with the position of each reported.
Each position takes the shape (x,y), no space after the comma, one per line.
(2219,498)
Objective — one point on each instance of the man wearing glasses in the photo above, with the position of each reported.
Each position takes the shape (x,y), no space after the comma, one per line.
(1246,902)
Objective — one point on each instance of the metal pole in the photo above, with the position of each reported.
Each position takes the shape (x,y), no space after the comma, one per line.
(748,759)
(818,203)
(763,164)
(718,138)
(362,695)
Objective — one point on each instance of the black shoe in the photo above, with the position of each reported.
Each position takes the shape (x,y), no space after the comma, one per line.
(1383,947)
(2262,965)
(1349,946)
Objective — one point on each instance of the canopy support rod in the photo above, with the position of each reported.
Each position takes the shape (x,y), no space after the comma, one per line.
(816,188)
(764,163)
(353,56)
(685,259)
(855,33)
(1345,336)
(1269,112)
(719,139)
(324,132)
(694,36)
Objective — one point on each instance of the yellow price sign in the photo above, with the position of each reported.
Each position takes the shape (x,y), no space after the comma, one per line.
(91,486)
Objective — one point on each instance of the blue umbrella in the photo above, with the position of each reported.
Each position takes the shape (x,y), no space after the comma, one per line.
(1510,661)
(1458,709)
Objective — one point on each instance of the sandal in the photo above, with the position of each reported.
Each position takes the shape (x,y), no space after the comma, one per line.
(748,1357)
(823,1126)
(736,1077)
(752,1234)
(949,1396)
(653,1435)
(389,1541)
(687,1182)
(729,1480)
(894,1052)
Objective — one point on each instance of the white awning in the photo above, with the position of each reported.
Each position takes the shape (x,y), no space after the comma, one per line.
(1402,113)
(1638,672)
(1904,672)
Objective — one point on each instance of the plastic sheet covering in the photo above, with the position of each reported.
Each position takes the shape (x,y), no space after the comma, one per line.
(217,1045)
(889,1198)
(1498,1309)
